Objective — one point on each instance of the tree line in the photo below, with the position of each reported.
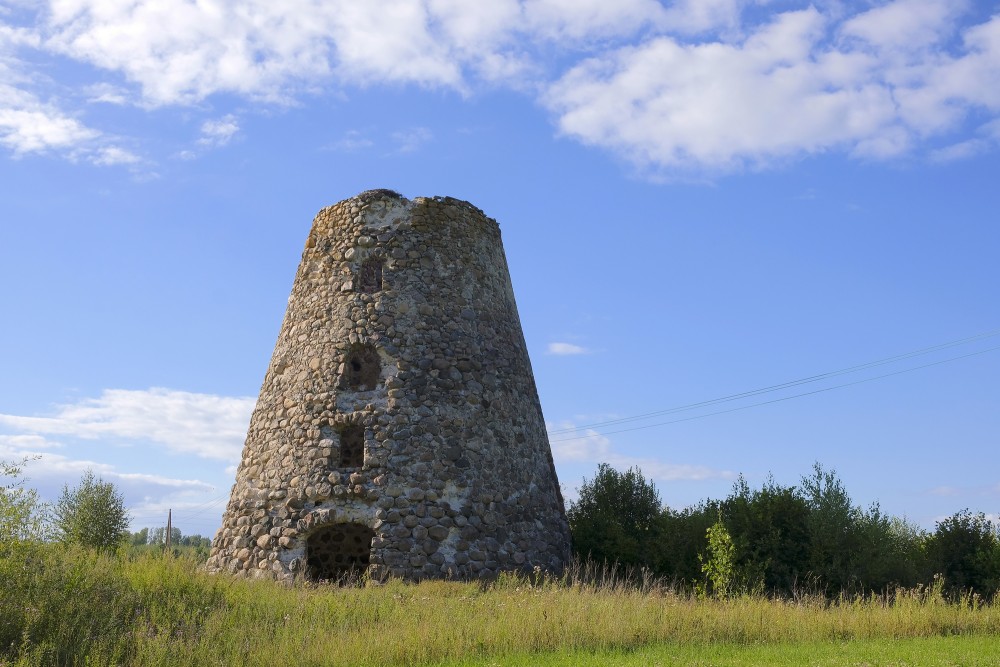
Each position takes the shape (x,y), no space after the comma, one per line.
(773,540)
(91,514)
(780,540)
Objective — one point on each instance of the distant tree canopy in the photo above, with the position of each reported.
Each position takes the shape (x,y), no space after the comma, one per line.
(91,514)
(779,539)
(154,539)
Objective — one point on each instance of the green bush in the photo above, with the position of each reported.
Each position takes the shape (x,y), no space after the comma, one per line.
(91,514)
(965,550)
(616,519)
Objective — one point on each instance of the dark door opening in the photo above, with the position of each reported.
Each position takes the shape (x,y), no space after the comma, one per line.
(339,552)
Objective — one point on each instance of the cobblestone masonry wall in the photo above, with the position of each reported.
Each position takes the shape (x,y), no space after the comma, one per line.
(399,407)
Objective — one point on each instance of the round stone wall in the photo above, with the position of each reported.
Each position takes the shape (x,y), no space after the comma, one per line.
(399,399)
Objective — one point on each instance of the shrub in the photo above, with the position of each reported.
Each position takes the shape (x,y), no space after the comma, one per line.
(92,514)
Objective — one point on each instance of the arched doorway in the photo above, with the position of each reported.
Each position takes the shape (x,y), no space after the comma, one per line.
(339,552)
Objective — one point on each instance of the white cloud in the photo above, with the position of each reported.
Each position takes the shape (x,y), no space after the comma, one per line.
(184,52)
(30,124)
(412,139)
(107,93)
(48,472)
(579,445)
(563,349)
(959,151)
(783,92)
(206,425)
(354,140)
(587,19)
(11,445)
(690,86)
(113,155)
(219,132)
(722,106)
(905,25)
(586,445)
(698,16)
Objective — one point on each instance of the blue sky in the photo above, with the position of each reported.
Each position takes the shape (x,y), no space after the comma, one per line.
(697,199)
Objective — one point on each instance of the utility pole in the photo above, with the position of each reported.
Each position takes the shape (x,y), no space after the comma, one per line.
(169,528)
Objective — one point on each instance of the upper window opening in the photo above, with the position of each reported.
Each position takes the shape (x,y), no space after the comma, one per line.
(362,370)
(370,275)
(352,446)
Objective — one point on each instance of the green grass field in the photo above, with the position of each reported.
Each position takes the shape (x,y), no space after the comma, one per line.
(73,607)
(971,651)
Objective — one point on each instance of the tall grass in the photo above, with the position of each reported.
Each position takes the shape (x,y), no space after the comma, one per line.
(67,606)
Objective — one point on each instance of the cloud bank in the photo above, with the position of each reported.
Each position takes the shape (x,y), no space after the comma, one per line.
(208,426)
(584,445)
(676,87)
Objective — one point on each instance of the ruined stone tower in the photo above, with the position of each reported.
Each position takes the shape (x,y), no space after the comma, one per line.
(398,430)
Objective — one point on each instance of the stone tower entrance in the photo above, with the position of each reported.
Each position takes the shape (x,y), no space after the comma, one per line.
(398,427)
(340,551)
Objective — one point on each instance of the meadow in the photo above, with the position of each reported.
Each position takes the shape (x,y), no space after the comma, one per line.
(64,605)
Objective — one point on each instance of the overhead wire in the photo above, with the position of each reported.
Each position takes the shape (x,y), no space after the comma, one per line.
(778,387)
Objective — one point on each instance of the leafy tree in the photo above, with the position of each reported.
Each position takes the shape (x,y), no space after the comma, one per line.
(965,549)
(770,531)
(196,541)
(718,563)
(616,518)
(682,536)
(889,553)
(158,536)
(92,514)
(22,514)
(834,531)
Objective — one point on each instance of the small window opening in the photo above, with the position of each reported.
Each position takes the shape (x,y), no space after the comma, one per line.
(339,553)
(352,447)
(370,275)
(362,370)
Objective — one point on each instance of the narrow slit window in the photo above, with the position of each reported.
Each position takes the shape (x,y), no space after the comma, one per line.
(370,276)
(352,447)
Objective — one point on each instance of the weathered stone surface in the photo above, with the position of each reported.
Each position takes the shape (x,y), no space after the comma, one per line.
(400,403)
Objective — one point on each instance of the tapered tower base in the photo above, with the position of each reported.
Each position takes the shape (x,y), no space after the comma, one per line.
(398,430)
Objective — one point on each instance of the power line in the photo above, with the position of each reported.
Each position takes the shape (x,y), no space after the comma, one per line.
(776,400)
(787,385)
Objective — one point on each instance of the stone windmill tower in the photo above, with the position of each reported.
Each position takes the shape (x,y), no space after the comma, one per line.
(398,430)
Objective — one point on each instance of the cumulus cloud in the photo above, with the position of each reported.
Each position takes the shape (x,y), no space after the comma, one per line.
(17,446)
(48,472)
(30,124)
(586,445)
(205,425)
(905,25)
(112,155)
(691,85)
(412,139)
(219,132)
(589,19)
(184,52)
(564,349)
(802,83)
